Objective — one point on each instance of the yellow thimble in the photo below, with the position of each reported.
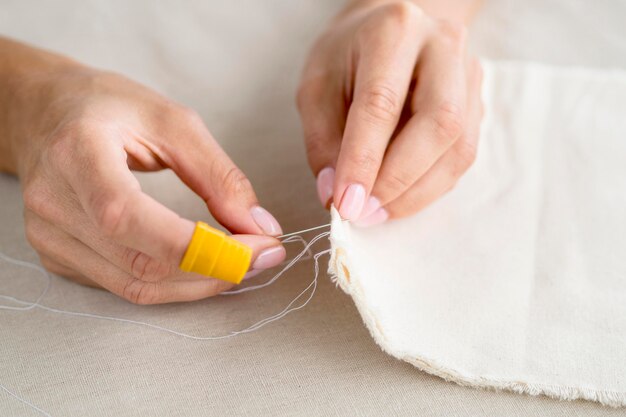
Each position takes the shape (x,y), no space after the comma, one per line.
(212,253)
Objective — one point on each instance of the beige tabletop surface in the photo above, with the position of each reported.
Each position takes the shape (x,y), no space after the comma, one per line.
(237,63)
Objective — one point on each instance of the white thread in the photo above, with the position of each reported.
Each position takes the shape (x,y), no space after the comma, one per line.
(23,400)
(299,232)
(25,305)
(275,277)
(26,265)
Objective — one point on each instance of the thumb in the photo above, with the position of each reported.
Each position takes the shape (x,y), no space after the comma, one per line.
(202,164)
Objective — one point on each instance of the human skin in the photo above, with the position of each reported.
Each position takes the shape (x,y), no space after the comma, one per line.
(390,106)
(74,134)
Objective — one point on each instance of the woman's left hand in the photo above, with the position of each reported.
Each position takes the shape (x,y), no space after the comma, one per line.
(391,108)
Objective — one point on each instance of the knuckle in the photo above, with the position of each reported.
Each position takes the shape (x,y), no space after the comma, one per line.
(396,181)
(136,262)
(381,103)
(466,155)
(53,267)
(365,161)
(315,142)
(235,182)
(319,150)
(192,117)
(402,13)
(50,266)
(72,137)
(60,148)
(110,215)
(453,32)
(156,270)
(35,199)
(144,267)
(141,292)
(308,92)
(177,115)
(104,81)
(67,133)
(447,122)
(392,19)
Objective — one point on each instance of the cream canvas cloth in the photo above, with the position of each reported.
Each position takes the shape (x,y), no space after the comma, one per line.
(516,279)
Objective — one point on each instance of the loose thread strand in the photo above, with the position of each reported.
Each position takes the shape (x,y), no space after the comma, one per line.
(300,232)
(23,400)
(27,305)
(291,237)
(278,275)
(29,265)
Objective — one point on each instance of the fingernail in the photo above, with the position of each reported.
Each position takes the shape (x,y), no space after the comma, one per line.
(371,206)
(325,183)
(265,221)
(352,202)
(252,273)
(269,258)
(379,216)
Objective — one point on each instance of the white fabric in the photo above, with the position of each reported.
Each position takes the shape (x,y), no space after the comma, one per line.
(517,278)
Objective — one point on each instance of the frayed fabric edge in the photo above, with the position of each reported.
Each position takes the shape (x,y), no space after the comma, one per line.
(343,275)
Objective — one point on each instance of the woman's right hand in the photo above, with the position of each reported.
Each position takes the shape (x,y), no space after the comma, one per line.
(75,135)
(391,107)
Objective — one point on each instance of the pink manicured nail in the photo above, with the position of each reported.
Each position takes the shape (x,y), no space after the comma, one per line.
(325,183)
(377,217)
(371,206)
(252,273)
(352,202)
(269,258)
(265,221)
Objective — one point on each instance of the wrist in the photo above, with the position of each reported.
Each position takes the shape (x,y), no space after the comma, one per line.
(27,78)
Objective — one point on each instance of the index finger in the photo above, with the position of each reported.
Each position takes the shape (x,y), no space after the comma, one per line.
(388,53)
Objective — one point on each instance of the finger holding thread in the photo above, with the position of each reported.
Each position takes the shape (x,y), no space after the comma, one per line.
(123,214)
(291,307)
(116,269)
